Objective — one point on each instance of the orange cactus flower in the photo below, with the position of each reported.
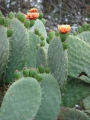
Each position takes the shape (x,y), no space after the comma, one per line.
(64,28)
(33,10)
(32,16)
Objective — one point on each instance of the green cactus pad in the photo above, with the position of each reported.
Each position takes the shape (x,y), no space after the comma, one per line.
(41,69)
(38,46)
(21,17)
(33,72)
(0,13)
(63,36)
(75,91)
(2,20)
(11,15)
(80,29)
(43,21)
(22,100)
(78,59)
(85,36)
(65,45)
(41,58)
(6,22)
(40,15)
(86,102)
(40,26)
(32,51)
(75,33)
(51,99)
(1,97)
(27,23)
(18,49)
(48,40)
(47,70)
(32,22)
(39,77)
(85,26)
(51,34)
(17,74)
(57,61)
(9,32)
(4,49)
(42,43)
(26,72)
(73,114)
(36,31)
(42,37)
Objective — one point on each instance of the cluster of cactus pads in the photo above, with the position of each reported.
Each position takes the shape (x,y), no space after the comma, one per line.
(43,75)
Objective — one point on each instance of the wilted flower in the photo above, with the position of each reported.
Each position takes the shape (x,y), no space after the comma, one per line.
(64,28)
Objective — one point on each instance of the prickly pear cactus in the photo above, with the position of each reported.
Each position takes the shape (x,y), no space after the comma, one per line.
(75,91)
(51,99)
(22,100)
(32,51)
(4,50)
(85,36)
(18,49)
(78,59)
(57,61)
(86,102)
(40,26)
(72,114)
(41,58)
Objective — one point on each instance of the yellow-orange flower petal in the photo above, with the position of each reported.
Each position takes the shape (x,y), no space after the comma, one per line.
(32,16)
(33,10)
(64,28)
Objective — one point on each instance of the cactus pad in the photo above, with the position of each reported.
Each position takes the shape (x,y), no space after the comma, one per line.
(78,59)
(51,99)
(41,58)
(4,49)
(32,51)
(73,114)
(85,36)
(18,49)
(57,61)
(75,91)
(22,100)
